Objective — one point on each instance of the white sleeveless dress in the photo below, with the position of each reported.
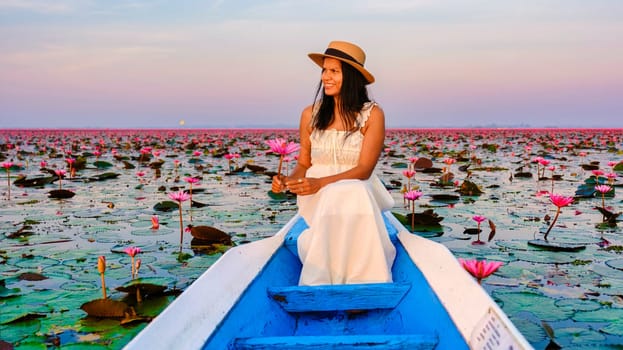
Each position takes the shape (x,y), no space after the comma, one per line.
(346,242)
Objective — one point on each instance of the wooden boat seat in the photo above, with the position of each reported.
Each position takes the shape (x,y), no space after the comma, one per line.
(300,225)
(361,341)
(341,297)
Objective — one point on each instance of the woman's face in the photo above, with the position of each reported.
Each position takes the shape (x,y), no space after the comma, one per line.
(332,76)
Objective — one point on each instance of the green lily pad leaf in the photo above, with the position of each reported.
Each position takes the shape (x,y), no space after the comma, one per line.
(606,271)
(615,328)
(578,304)
(400,165)
(545,257)
(541,306)
(557,246)
(18,331)
(78,286)
(166,206)
(151,232)
(100,164)
(618,167)
(579,335)
(609,315)
(36,262)
(615,264)
(61,194)
(585,191)
(277,195)
(19,312)
(104,176)
(533,332)
(9,292)
(90,324)
(153,306)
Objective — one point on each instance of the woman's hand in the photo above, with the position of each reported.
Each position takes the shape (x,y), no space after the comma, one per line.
(303,186)
(279,183)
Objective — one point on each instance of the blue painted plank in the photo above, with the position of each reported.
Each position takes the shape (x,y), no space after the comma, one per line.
(382,341)
(339,297)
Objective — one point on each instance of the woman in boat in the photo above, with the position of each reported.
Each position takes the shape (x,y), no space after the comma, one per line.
(341,136)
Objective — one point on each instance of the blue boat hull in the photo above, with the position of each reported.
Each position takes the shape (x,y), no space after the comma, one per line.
(249,299)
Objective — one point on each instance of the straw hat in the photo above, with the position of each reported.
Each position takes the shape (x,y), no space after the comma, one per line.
(345,52)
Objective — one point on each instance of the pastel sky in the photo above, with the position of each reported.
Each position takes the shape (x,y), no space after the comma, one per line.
(438,63)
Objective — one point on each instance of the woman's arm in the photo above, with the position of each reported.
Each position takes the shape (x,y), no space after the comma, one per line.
(304,159)
(373,140)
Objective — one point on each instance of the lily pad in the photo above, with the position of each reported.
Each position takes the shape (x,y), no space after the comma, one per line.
(540,306)
(61,194)
(106,308)
(166,206)
(104,176)
(557,246)
(100,164)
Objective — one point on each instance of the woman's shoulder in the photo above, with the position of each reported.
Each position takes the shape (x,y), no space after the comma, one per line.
(371,109)
(306,117)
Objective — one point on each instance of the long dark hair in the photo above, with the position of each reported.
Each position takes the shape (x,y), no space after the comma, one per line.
(352,97)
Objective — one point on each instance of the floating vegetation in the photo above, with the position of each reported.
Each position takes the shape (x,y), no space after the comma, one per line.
(50,246)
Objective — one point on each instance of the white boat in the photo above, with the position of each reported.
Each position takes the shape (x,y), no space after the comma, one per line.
(249,299)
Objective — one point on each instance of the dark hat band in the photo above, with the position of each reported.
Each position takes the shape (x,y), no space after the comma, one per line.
(341,54)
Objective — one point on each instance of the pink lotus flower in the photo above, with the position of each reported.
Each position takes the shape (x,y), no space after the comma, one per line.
(191,181)
(132,251)
(60,173)
(559,201)
(180,196)
(449,161)
(43,164)
(480,269)
(282,148)
(412,196)
(603,189)
(408,173)
(7,167)
(597,173)
(230,159)
(479,219)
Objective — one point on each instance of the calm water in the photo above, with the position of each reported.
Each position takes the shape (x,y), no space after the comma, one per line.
(577,294)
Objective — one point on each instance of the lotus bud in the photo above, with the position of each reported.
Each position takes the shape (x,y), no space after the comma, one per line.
(155,222)
(101,264)
(137,266)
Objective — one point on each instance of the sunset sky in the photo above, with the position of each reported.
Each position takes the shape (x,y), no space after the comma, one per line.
(438,63)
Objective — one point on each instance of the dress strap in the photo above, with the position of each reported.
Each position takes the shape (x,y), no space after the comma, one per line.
(364,114)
